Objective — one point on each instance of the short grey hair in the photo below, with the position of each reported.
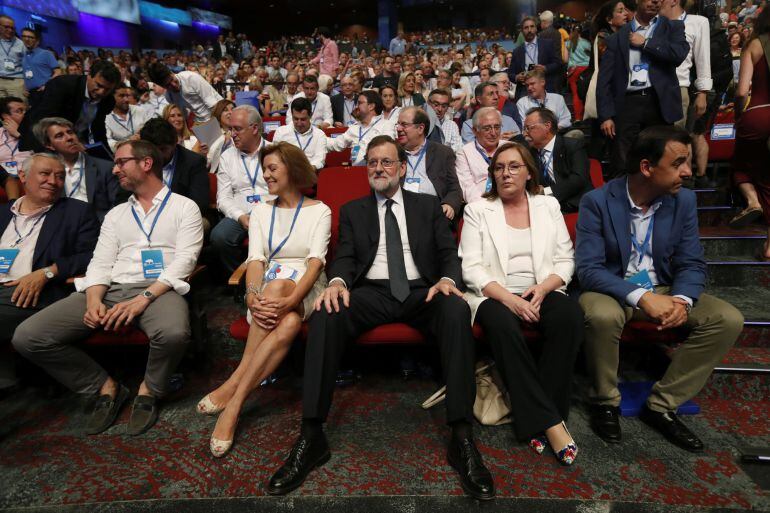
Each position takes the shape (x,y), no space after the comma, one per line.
(252,115)
(26,166)
(498,77)
(40,130)
(483,111)
(546,16)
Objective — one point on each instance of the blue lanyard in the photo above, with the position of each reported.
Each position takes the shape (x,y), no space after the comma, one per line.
(532,56)
(419,158)
(154,221)
(360,128)
(272,223)
(10,47)
(21,239)
(481,151)
(76,187)
(252,179)
(299,143)
(644,247)
(650,29)
(349,111)
(126,126)
(5,143)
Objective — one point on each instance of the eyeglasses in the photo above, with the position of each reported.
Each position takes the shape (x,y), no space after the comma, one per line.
(490,128)
(239,129)
(122,162)
(527,128)
(437,104)
(399,123)
(512,167)
(386,163)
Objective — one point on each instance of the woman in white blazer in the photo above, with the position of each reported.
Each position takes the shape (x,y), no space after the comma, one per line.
(517,260)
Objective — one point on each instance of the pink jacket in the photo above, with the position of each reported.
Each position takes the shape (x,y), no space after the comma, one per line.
(328,58)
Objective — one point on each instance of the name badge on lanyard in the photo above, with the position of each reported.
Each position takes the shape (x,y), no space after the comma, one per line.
(299,142)
(361,134)
(412,182)
(642,278)
(252,198)
(640,73)
(275,270)
(152,259)
(7,257)
(488,160)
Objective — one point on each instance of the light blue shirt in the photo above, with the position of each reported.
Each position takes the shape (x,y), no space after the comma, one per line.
(397,46)
(581,55)
(12,52)
(553,102)
(419,172)
(39,65)
(508,125)
(635,54)
(530,53)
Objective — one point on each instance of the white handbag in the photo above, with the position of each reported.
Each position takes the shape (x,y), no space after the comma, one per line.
(590,111)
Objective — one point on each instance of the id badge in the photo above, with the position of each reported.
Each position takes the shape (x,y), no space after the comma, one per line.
(642,279)
(9,65)
(254,198)
(354,152)
(7,257)
(11,167)
(488,186)
(152,263)
(412,184)
(278,271)
(723,131)
(28,74)
(640,74)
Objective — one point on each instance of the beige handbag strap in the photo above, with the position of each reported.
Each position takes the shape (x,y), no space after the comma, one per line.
(436,398)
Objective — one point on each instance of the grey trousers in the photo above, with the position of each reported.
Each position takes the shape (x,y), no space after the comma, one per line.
(48,337)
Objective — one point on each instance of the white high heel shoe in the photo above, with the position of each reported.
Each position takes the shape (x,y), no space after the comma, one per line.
(219,447)
(207,407)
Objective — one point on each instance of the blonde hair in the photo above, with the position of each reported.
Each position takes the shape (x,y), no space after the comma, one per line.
(186,133)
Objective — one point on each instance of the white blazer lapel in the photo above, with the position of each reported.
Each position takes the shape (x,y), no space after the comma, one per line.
(495,217)
(540,233)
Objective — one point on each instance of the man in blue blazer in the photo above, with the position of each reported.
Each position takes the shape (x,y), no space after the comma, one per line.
(44,239)
(534,53)
(639,256)
(637,84)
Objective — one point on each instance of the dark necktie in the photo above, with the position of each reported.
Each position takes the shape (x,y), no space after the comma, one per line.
(544,166)
(399,285)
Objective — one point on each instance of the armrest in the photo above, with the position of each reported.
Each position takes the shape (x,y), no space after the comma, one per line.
(238,276)
(197,272)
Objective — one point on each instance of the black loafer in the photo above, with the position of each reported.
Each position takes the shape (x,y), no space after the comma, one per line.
(307,454)
(605,421)
(144,414)
(106,411)
(475,479)
(669,425)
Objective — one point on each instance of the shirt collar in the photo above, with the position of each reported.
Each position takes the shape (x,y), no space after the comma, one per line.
(79,163)
(155,201)
(418,149)
(550,145)
(533,42)
(256,152)
(172,163)
(309,131)
(653,21)
(635,209)
(17,205)
(397,198)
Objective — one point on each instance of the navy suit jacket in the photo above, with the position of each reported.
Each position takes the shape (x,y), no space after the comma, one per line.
(546,55)
(603,244)
(102,187)
(665,50)
(67,238)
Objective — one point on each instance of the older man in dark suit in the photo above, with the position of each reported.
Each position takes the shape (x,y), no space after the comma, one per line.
(396,261)
(535,53)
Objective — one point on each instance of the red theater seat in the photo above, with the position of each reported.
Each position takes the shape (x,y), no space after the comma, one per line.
(597,178)
(721,150)
(335,131)
(213,190)
(338,158)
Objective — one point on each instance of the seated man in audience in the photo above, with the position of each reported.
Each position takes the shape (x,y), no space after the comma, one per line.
(57,240)
(474,158)
(84,100)
(302,134)
(639,257)
(146,249)
(12,110)
(240,185)
(380,275)
(430,166)
(321,115)
(344,104)
(439,101)
(487,96)
(187,89)
(127,118)
(369,125)
(504,103)
(87,178)
(156,100)
(184,171)
(292,87)
(538,97)
(563,161)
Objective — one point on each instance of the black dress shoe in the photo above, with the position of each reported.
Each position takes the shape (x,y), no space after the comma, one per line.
(106,411)
(475,479)
(307,454)
(669,425)
(144,414)
(605,422)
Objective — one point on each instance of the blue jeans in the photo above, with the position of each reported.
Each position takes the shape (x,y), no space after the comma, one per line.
(227,238)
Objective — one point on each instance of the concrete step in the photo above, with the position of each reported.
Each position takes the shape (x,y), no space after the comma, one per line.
(716,215)
(737,271)
(713,197)
(722,241)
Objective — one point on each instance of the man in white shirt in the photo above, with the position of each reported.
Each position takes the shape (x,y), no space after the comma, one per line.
(156,100)
(240,185)
(187,89)
(369,125)
(292,87)
(275,66)
(474,158)
(439,102)
(310,139)
(147,248)
(126,119)
(538,97)
(322,116)
(487,96)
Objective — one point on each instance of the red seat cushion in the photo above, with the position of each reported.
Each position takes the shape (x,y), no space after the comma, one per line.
(130,336)
(338,158)
(646,332)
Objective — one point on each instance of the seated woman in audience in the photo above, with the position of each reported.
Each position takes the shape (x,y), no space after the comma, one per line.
(221,112)
(390,108)
(408,95)
(174,115)
(288,239)
(421,84)
(517,260)
(460,85)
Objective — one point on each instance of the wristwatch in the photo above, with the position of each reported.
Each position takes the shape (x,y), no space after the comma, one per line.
(48,273)
(148,295)
(688,308)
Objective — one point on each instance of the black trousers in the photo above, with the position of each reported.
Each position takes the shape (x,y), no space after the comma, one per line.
(446,319)
(539,391)
(638,112)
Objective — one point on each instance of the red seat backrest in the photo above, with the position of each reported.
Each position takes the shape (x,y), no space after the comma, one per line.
(213,190)
(338,158)
(337,186)
(597,178)
(335,130)
(270,123)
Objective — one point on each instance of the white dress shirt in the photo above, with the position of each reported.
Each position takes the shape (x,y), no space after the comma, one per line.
(531,51)
(635,56)
(178,234)
(322,110)
(697,33)
(553,102)
(121,128)
(233,184)
(75,179)
(28,227)
(451,134)
(312,142)
(156,103)
(379,268)
(196,95)
(473,171)
(360,135)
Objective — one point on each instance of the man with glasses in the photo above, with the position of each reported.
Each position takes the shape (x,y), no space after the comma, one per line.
(408,272)
(187,89)
(39,66)
(292,87)
(563,161)
(321,106)
(474,158)
(486,95)
(240,185)
(344,104)
(504,95)
(438,103)
(369,125)
(12,54)
(538,97)
(147,248)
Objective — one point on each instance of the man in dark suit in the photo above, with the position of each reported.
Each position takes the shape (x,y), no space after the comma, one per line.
(535,53)
(219,48)
(430,166)
(637,85)
(396,261)
(639,257)
(563,161)
(87,178)
(46,238)
(344,104)
(83,100)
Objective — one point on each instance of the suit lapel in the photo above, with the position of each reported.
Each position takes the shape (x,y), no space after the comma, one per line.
(559,157)
(51,224)
(371,218)
(617,204)
(662,230)
(495,217)
(537,231)
(625,47)
(177,165)
(430,162)
(91,177)
(412,220)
